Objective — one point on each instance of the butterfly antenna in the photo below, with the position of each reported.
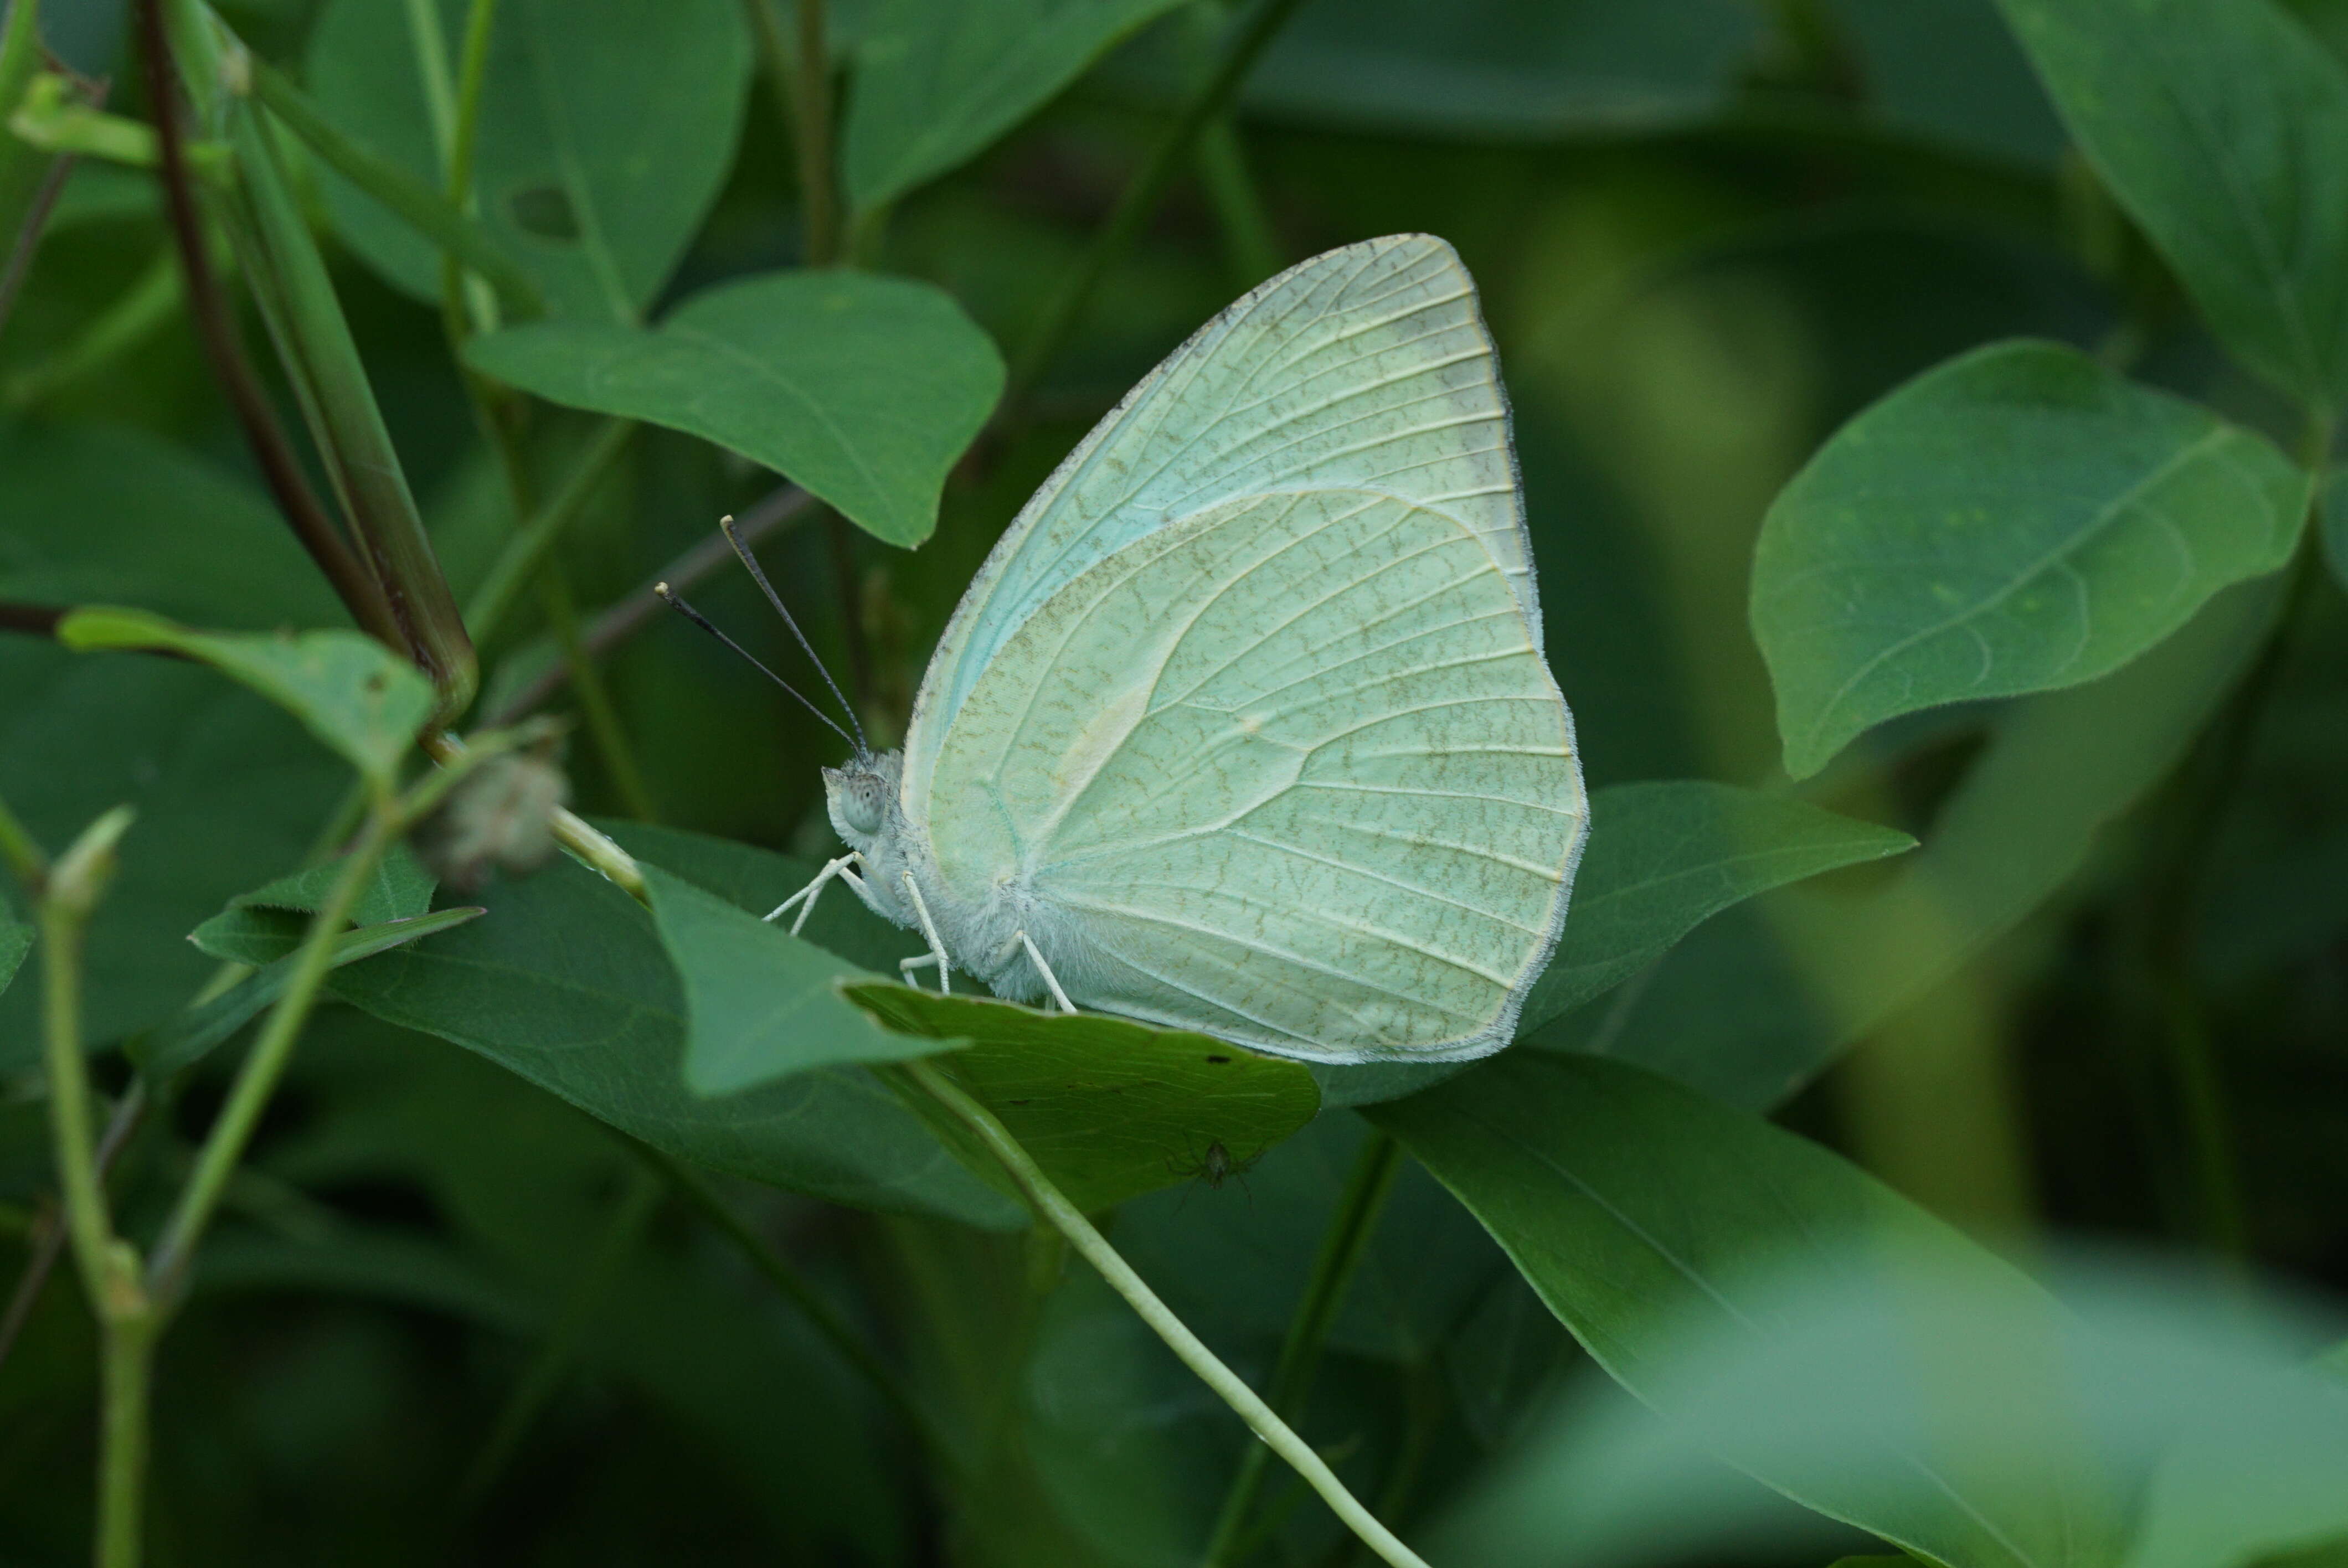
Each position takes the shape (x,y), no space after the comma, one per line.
(757,573)
(667,596)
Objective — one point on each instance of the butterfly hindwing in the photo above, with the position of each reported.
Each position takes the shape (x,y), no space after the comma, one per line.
(1294,770)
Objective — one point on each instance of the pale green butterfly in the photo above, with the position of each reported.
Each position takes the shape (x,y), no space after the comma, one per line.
(1244,726)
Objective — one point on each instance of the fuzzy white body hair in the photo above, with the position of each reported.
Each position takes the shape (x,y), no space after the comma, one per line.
(981,935)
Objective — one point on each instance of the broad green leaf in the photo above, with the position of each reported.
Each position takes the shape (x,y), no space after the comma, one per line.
(1665,857)
(369,1264)
(2264,1478)
(759,1003)
(1111,1108)
(228,790)
(564,982)
(1753,1004)
(864,390)
(396,889)
(2016,520)
(1506,68)
(16,941)
(1648,1217)
(2222,127)
(1867,1348)
(607,128)
(190,1036)
(101,515)
(936,83)
(348,689)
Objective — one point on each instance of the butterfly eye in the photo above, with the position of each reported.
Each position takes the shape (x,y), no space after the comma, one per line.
(860,803)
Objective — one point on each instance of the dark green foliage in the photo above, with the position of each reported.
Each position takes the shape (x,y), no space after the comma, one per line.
(1926,410)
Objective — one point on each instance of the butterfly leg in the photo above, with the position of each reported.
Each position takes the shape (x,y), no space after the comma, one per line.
(806,897)
(929,931)
(1051,980)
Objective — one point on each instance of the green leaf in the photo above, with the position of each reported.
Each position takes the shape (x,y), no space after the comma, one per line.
(1755,1002)
(936,83)
(2222,127)
(607,128)
(1665,857)
(564,982)
(2267,1477)
(756,880)
(2018,519)
(761,1004)
(16,941)
(1648,1218)
(397,888)
(78,525)
(1111,1108)
(189,1038)
(348,689)
(227,788)
(864,390)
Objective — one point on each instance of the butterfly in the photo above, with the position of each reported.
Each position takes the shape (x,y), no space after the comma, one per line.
(1244,726)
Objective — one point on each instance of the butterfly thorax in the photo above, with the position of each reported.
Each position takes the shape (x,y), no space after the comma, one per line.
(981,935)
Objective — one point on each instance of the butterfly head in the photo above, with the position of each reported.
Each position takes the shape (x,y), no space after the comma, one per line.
(861,797)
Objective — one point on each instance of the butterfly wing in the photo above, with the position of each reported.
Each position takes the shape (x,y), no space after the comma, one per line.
(1368,367)
(1291,769)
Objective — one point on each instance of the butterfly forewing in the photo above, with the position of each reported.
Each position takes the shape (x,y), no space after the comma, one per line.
(1294,770)
(1366,368)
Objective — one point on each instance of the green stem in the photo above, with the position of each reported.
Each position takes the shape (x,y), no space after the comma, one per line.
(468,306)
(836,1331)
(561,1346)
(526,551)
(256,1080)
(445,224)
(812,106)
(109,1267)
(1052,1206)
(130,1357)
(1139,198)
(1342,1247)
(69,896)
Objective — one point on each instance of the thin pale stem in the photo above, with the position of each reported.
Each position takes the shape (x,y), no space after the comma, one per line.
(1054,1207)
(232,1130)
(1342,1247)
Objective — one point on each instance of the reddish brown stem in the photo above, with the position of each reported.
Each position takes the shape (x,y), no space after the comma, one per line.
(215,325)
